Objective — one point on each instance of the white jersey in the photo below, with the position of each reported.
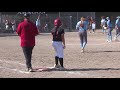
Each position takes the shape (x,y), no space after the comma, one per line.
(38,22)
(102,22)
(93,25)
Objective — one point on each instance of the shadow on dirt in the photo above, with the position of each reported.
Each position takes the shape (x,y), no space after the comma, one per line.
(74,69)
(92,69)
(101,51)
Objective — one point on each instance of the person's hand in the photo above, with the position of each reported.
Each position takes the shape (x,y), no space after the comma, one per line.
(116,27)
(64,46)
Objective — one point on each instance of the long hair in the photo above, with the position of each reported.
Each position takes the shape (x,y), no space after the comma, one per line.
(55,31)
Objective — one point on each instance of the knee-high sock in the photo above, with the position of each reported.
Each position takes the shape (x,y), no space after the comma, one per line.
(61,61)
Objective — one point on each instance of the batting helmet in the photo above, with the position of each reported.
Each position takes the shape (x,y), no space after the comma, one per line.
(57,22)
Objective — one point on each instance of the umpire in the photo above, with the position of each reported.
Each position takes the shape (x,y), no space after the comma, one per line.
(27,31)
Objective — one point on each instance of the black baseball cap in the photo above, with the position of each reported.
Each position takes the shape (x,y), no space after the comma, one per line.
(27,15)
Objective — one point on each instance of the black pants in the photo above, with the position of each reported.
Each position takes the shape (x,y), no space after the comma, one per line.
(28,55)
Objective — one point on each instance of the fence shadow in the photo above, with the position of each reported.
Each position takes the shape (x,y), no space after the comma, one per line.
(7,34)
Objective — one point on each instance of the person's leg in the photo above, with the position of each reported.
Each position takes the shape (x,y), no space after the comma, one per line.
(85,39)
(104,31)
(27,54)
(90,28)
(118,33)
(30,57)
(56,60)
(54,44)
(115,38)
(81,39)
(60,53)
(110,35)
(93,30)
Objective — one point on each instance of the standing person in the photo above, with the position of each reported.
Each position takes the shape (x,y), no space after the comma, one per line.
(88,20)
(82,30)
(117,27)
(103,24)
(110,28)
(47,25)
(46,28)
(93,24)
(27,31)
(14,26)
(6,24)
(58,42)
(38,24)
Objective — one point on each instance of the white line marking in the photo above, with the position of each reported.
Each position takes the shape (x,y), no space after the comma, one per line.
(95,44)
(80,73)
(11,62)
(16,70)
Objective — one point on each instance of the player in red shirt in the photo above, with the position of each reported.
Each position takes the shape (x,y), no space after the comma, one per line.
(27,31)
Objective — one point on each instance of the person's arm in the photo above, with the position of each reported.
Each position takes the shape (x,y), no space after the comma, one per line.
(18,31)
(108,24)
(77,26)
(36,31)
(116,24)
(63,40)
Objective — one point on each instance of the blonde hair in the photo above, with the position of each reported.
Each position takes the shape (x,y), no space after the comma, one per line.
(82,18)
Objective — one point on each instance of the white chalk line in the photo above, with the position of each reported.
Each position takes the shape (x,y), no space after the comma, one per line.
(79,73)
(94,44)
(16,70)
(12,62)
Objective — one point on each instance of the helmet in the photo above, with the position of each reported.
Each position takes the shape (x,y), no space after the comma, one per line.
(27,15)
(57,22)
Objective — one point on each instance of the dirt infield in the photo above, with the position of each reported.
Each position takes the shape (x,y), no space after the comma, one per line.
(100,60)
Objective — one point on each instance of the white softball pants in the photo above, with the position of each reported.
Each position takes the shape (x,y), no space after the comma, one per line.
(58,47)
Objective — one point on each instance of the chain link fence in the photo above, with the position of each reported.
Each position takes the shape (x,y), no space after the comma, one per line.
(69,19)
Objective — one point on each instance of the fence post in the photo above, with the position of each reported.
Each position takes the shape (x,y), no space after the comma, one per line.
(59,15)
(70,23)
(77,16)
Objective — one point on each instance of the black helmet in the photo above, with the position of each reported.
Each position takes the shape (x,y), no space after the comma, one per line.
(27,15)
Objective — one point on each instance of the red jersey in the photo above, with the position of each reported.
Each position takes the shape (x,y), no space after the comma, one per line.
(27,32)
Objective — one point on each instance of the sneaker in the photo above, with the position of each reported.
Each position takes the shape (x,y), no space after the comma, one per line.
(56,66)
(62,68)
(30,70)
(82,51)
(115,38)
(107,40)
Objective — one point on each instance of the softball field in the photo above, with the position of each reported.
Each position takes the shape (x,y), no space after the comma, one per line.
(101,59)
